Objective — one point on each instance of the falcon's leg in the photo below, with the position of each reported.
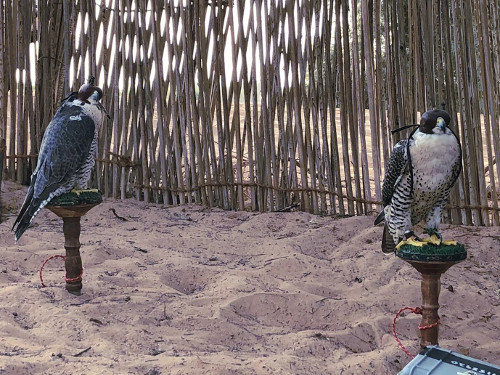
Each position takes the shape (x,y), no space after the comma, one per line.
(436,238)
(411,239)
(432,229)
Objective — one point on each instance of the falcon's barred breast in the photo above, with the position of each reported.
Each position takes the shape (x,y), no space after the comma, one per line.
(419,176)
(67,151)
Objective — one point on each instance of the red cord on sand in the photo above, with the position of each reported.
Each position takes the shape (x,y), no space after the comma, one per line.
(415,310)
(65,278)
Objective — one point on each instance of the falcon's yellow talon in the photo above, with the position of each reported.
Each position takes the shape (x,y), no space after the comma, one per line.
(436,241)
(414,242)
(433,240)
(410,241)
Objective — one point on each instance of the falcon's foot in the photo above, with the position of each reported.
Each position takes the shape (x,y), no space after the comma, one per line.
(436,238)
(411,239)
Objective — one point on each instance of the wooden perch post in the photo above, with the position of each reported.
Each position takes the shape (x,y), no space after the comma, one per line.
(71,207)
(431,264)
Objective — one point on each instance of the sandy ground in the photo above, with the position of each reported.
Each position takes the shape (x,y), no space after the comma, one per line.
(191,290)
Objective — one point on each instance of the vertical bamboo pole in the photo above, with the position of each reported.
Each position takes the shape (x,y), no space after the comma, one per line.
(349,110)
(124,108)
(298,108)
(374,120)
(491,104)
(174,97)
(314,57)
(192,174)
(238,202)
(305,111)
(31,118)
(116,94)
(427,53)
(160,95)
(323,104)
(11,10)
(474,93)
(331,84)
(20,62)
(267,159)
(257,143)
(244,39)
(103,169)
(252,117)
(198,104)
(143,151)
(131,69)
(224,26)
(451,102)
(205,148)
(3,102)
(344,77)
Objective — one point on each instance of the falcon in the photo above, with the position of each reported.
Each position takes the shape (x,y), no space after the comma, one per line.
(66,156)
(419,176)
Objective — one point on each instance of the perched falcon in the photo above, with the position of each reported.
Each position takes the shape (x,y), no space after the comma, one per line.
(66,156)
(419,176)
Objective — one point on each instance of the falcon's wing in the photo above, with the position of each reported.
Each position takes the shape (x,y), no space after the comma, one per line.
(395,167)
(65,148)
(457,167)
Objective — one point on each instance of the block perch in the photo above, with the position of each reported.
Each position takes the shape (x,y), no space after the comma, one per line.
(431,261)
(71,207)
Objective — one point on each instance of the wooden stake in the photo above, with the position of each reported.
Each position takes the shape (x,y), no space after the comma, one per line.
(71,216)
(430,288)
(73,262)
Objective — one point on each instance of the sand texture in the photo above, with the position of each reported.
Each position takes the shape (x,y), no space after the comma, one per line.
(192,290)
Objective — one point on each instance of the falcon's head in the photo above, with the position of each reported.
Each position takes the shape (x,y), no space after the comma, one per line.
(434,121)
(89,93)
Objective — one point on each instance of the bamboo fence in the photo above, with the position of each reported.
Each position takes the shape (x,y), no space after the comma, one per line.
(263,105)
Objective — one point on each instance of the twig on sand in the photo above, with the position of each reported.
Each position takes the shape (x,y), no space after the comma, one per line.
(117,216)
(82,352)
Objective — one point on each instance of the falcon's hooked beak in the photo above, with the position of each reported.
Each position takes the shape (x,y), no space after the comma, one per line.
(96,95)
(441,124)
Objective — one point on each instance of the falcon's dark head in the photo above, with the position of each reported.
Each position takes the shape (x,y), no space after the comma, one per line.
(434,121)
(89,93)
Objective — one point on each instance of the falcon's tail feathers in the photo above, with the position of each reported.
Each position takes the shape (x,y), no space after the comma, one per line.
(29,210)
(388,245)
(24,223)
(26,204)
(25,218)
